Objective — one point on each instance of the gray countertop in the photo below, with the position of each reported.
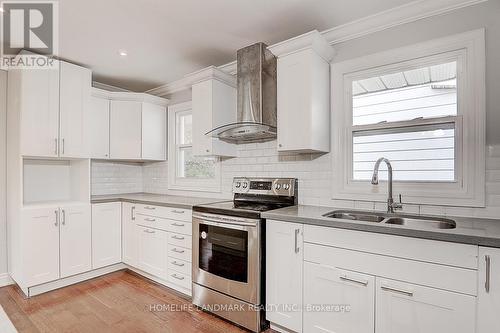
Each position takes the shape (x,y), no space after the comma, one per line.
(155,199)
(469,230)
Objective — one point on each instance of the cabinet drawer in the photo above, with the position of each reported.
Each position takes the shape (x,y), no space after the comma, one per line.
(423,273)
(439,252)
(179,240)
(181,227)
(179,279)
(165,212)
(179,266)
(178,252)
(152,222)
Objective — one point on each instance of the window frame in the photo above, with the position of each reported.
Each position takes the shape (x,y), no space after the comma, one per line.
(182,183)
(469,188)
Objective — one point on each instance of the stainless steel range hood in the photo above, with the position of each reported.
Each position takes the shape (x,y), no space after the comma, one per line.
(256,108)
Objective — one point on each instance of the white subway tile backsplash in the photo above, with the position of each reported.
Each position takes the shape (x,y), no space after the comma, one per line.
(314,172)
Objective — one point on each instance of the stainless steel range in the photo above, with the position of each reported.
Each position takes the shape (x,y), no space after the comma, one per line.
(229,253)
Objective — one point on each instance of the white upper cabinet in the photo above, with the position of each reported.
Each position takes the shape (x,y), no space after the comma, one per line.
(214,105)
(488,298)
(154,132)
(50,107)
(98,126)
(303,95)
(75,85)
(138,127)
(34,102)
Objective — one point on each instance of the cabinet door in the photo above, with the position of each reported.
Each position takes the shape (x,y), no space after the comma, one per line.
(152,251)
(125,130)
(75,84)
(284,266)
(348,297)
(130,234)
(154,132)
(39,99)
(98,127)
(76,254)
(40,247)
(409,308)
(106,234)
(488,298)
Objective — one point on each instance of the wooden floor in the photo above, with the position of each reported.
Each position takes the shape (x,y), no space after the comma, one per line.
(117,302)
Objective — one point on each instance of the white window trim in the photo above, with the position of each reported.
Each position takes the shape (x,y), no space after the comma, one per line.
(183,184)
(469,49)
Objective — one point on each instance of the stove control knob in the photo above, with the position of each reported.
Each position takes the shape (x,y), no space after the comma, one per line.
(245,185)
(277,187)
(286,186)
(238,184)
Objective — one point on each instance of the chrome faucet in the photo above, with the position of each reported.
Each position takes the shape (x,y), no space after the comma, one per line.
(391,205)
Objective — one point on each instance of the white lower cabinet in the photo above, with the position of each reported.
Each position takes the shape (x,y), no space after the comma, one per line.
(284,267)
(152,257)
(129,234)
(75,239)
(488,298)
(106,234)
(409,308)
(339,300)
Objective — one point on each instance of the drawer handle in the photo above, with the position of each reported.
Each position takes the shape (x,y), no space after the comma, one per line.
(398,291)
(177,237)
(132,213)
(178,211)
(297,231)
(149,219)
(178,277)
(149,231)
(348,279)
(175,224)
(488,273)
(180,264)
(177,250)
(149,207)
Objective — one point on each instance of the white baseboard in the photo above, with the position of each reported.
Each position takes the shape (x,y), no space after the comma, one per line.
(5,280)
(43,288)
(187,293)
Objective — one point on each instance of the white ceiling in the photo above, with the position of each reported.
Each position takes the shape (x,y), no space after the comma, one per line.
(166,39)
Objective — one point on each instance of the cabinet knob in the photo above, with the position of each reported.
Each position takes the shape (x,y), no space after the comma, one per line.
(208,150)
(280,145)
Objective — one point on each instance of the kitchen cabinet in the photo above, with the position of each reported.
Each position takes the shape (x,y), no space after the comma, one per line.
(214,105)
(129,234)
(106,234)
(74,98)
(34,96)
(75,239)
(350,297)
(488,298)
(284,269)
(410,308)
(98,127)
(154,132)
(51,106)
(152,256)
(303,95)
(125,134)
(40,246)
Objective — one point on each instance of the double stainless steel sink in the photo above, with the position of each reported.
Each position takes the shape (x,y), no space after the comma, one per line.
(411,221)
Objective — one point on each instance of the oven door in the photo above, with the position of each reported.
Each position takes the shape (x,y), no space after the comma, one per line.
(226,255)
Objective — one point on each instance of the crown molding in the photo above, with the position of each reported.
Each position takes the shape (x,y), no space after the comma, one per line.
(411,12)
(129,96)
(312,40)
(108,87)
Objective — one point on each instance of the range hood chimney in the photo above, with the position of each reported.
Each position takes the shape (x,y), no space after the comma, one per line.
(256,108)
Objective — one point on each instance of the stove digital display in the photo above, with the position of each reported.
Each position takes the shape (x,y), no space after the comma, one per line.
(265,186)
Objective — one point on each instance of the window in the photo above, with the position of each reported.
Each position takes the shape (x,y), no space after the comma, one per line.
(188,172)
(424,111)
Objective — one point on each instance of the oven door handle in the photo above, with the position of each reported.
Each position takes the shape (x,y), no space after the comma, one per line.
(225,221)
(225,225)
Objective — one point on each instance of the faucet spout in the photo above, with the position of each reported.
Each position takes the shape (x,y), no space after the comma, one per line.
(390,201)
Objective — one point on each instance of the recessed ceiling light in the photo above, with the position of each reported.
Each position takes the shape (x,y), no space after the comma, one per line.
(122,53)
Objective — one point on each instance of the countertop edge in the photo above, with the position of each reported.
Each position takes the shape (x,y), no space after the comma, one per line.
(145,202)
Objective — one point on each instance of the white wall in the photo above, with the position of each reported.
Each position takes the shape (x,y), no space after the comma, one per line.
(3,171)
